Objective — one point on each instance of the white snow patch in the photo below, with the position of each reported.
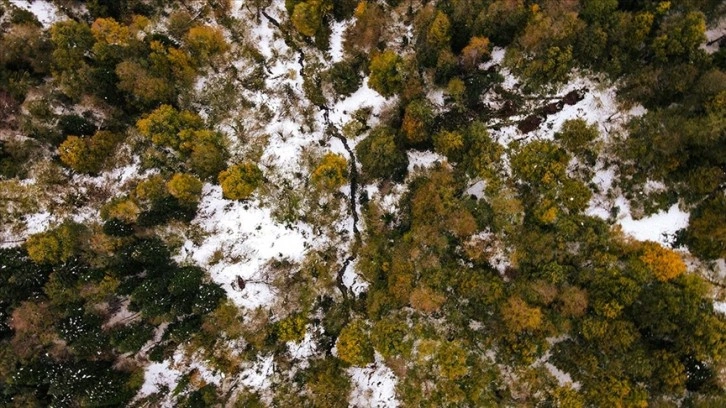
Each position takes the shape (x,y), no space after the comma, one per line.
(436,96)
(719,307)
(158,375)
(364,97)
(599,106)
(249,236)
(423,160)
(373,386)
(258,376)
(169,372)
(35,223)
(353,281)
(303,349)
(599,205)
(712,35)
(660,227)
(46,12)
(336,40)
(476,189)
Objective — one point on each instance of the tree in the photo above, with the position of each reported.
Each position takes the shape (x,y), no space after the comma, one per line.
(331,172)
(87,155)
(353,344)
(417,121)
(240,181)
(439,32)
(520,317)
(308,16)
(386,76)
(450,144)
(148,89)
(380,156)
(57,245)
(426,300)
(205,43)
(706,232)
(473,54)
(663,263)
(72,41)
(164,125)
(185,187)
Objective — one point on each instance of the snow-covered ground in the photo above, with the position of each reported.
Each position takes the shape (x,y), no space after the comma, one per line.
(373,386)
(45,11)
(241,239)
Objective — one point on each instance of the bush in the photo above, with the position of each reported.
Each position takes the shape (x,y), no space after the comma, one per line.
(240,181)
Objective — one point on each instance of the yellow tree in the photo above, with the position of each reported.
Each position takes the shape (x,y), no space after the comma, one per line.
(240,181)
(520,317)
(664,263)
(331,172)
(185,187)
(353,344)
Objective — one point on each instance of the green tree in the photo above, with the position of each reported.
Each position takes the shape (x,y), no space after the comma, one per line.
(164,125)
(520,317)
(308,16)
(72,41)
(417,121)
(706,232)
(450,144)
(240,181)
(380,156)
(387,73)
(87,155)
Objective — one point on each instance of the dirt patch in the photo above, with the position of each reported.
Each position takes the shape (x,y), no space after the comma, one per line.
(530,123)
(574,96)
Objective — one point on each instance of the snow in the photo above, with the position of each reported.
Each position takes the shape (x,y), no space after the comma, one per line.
(248,237)
(353,281)
(713,34)
(423,160)
(158,375)
(46,12)
(258,376)
(373,386)
(36,223)
(720,307)
(336,40)
(341,112)
(169,372)
(476,189)
(303,349)
(660,227)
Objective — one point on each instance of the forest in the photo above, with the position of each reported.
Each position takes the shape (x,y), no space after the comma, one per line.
(364,203)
